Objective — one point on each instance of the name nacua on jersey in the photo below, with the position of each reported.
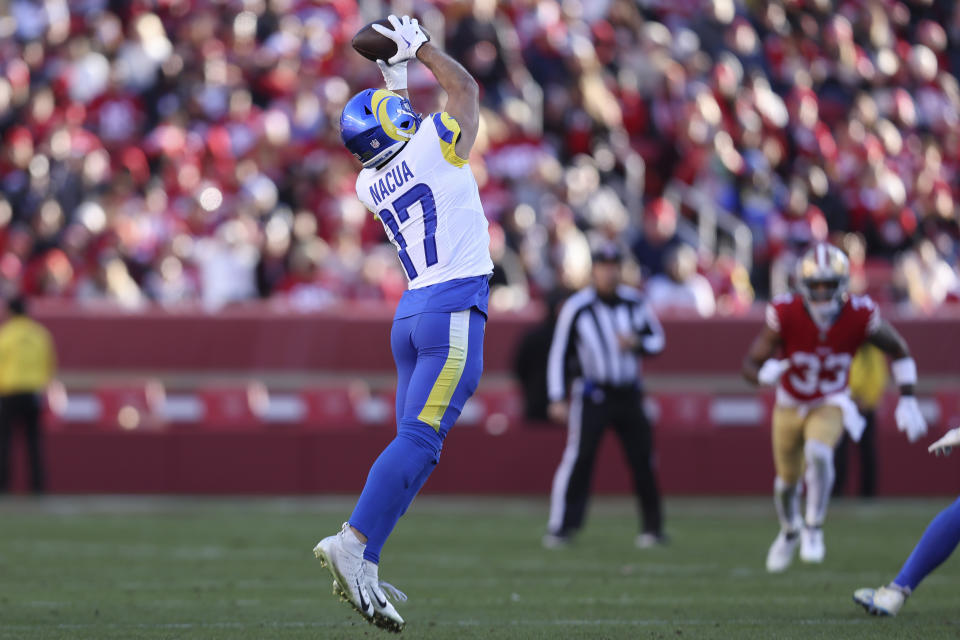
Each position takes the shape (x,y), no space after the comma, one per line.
(388,184)
(820,357)
(429,204)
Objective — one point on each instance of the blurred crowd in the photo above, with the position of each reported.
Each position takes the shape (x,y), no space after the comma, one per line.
(187,151)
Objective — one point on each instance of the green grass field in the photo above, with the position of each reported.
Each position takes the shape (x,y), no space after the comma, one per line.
(138,567)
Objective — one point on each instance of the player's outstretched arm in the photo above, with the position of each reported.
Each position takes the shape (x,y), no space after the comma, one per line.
(463,94)
(907,414)
(760,366)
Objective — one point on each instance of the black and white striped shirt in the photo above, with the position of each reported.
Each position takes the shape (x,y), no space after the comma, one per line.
(588,329)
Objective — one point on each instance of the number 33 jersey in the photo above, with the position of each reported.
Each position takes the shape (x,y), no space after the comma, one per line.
(819,358)
(428,201)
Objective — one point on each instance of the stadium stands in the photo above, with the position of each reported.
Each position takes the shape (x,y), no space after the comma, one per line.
(187,152)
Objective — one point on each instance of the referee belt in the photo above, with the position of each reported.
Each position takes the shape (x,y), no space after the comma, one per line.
(598,391)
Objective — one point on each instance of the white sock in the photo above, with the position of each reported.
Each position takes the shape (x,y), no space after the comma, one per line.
(786,503)
(352,543)
(819,477)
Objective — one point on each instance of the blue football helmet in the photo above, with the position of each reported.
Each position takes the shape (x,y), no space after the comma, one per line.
(375,124)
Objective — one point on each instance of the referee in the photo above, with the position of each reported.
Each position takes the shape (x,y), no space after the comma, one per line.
(27,365)
(600,332)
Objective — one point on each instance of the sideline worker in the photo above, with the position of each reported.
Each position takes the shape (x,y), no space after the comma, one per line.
(27,365)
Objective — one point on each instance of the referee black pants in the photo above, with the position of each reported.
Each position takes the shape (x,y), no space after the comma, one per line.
(590,414)
(21,409)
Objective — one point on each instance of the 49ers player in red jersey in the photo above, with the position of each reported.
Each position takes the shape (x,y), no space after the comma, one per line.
(805,348)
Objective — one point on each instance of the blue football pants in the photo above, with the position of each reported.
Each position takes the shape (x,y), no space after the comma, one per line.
(935,545)
(439,358)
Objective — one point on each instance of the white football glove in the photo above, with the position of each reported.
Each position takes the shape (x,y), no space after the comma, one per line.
(910,419)
(944,445)
(395,75)
(406,33)
(771,370)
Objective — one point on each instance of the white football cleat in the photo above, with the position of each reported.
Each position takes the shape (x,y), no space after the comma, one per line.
(344,558)
(385,614)
(781,551)
(812,548)
(885,601)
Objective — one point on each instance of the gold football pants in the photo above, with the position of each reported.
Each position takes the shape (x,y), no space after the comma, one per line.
(792,427)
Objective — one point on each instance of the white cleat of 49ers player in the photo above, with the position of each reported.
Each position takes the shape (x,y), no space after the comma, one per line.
(781,551)
(342,554)
(812,548)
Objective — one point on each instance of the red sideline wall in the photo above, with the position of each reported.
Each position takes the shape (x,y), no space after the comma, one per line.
(305,458)
(522,461)
(356,338)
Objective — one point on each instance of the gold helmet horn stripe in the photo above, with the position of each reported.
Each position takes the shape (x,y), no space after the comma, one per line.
(379,101)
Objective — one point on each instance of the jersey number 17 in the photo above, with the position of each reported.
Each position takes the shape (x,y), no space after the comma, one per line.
(417,193)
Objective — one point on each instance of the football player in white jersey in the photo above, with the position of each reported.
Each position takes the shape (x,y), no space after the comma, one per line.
(415,178)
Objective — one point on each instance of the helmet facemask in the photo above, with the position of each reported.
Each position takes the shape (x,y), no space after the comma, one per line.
(824,298)
(823,275)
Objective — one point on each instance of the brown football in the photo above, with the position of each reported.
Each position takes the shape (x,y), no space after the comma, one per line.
(374,46)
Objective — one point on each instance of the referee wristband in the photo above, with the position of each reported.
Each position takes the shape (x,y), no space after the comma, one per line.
(904,371)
